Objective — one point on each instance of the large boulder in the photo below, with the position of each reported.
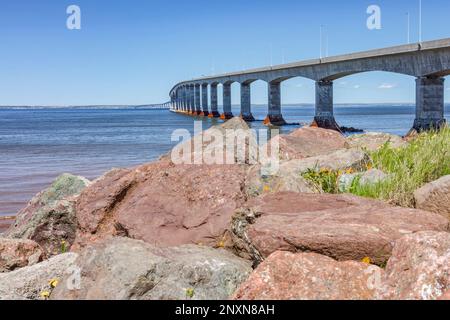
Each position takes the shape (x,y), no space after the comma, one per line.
(309,276)
(49,218)
(372,141)
(33,283)
(162,204)
(123,269)
(343,227)
(229,143)
(308,142)
(419,268)
(288,177)
(18,253)
(435,197)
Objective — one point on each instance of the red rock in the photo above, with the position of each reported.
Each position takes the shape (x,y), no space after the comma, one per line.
(15,254)
(229,143)
(309,142)
(309,276)
(343,227)
(445,296)
(162,203)
(435,197)
(419,268)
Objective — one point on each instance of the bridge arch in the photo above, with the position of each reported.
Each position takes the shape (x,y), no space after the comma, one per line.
(383,87)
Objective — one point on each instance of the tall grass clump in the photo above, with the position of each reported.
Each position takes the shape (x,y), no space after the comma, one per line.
(426,158)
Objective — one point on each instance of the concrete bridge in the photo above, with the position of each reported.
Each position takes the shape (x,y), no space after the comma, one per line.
(428,62)
(159,106)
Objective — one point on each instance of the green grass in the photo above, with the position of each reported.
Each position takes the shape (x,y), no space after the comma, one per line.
(424,159)
(323,179)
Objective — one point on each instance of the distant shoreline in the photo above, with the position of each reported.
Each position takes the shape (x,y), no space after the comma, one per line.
(131,107)
(8,217)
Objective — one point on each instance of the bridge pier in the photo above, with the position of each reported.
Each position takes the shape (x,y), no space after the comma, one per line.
(246,112)
(214,109)
(197,108)
(227,114)
(192,99)
(186,99)
(205,111)
(274,117)
(324,117)
(182,99)
(429,103)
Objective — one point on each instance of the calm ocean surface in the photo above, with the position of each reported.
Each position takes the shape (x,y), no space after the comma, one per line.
(36,145)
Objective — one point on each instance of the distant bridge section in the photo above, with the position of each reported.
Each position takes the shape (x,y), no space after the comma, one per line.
(160,106)
(428,62)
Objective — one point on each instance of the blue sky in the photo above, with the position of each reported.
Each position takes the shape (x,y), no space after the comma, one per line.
(134,51)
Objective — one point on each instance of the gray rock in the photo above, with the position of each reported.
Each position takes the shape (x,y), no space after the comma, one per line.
(344,159)
(435,197)
(30,282)
(373,176)
(346,181)
(49,218)
(289,175)
(123,269)
(258,184)
(372,141)
(370,177)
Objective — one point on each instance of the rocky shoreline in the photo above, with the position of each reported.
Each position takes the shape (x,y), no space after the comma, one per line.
(177,231)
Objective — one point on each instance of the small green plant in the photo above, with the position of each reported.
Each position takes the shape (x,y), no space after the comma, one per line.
(426,158)
(190,293)
(325,180)
(63,246)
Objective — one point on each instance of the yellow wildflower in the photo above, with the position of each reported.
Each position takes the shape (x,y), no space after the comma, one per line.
(369,166)
(266,189)
(45,294)
(349,171)
(53,283)
(366,260)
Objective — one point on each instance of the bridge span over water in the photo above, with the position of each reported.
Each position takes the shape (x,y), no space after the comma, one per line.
(428,62)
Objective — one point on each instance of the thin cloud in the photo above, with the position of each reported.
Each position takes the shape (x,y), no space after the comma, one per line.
(387,86)
(357,86)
